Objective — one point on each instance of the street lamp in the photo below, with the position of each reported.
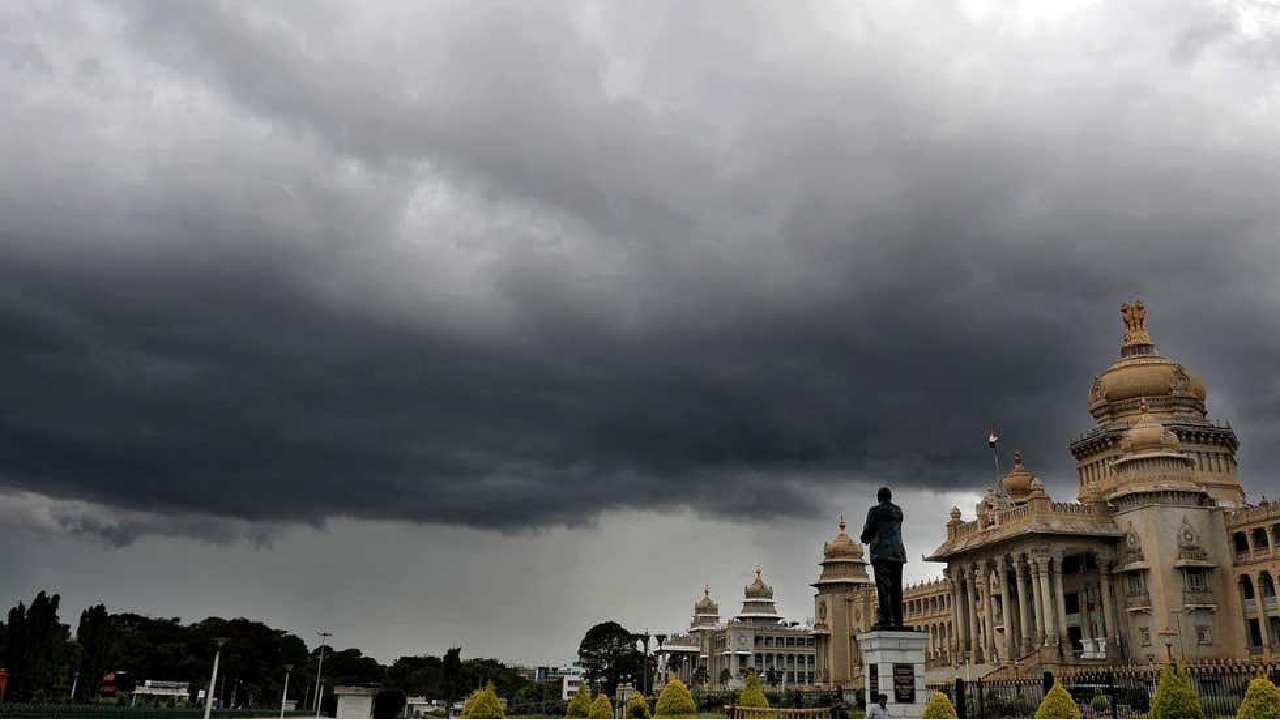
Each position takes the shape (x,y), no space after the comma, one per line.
(213,679)
(1168,634)
(75,680)
(288,668)
(324,636)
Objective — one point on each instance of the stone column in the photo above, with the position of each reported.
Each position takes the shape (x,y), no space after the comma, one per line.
(1108,621)
(1019,577)
(971,594)
(1064,638)
(1006,608)
(1037,604)
(988,617)
(1261,608)
(955,618)
(1046,602)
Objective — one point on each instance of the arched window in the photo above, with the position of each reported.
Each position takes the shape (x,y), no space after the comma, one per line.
(1246,588)
(1260,540)
(1266,587)
(1241,541)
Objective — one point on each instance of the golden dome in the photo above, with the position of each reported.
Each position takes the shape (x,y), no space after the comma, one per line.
(1142,372)
(842,546)
(1148,435)
(1018,482)
(706,603)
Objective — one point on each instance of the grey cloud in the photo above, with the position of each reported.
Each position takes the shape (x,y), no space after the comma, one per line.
(511,265)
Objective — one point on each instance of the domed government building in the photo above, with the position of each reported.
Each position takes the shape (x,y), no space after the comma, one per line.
(1159,554)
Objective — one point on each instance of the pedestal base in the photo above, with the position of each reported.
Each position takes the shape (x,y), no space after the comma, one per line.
(893,666)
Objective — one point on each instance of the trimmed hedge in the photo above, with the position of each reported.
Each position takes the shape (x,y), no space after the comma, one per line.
(675,701)
(1057,704)
(1175,697)
(1261,700)
(939,706)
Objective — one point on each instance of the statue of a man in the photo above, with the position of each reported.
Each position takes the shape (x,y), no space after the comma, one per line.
(883,533)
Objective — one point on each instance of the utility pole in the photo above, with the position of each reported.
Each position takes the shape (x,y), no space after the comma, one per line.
(213,679)
(324,638)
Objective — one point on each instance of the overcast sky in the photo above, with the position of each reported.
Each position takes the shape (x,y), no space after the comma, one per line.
(432,323)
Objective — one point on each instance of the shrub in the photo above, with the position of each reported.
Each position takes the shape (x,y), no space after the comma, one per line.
(601,707)
(637,706)
(939,706)
(753,695)
(675,701)
(580,703)
(1100,703)
(1261,700)
(1175,698)
(1058,703)
(483,704)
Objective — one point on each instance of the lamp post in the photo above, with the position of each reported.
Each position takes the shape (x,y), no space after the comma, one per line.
(213,679)
(324,636)
(1168,634)
(284,694)
(75,681)
(661,638)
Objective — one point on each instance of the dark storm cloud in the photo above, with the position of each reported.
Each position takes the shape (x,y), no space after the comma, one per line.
(509,265)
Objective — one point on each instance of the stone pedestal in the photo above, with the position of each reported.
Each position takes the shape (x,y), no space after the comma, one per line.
(893,666)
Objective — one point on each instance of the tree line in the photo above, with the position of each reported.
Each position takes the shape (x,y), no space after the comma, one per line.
(45,660)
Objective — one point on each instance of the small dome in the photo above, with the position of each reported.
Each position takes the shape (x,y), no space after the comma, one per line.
(1148,435)
(1018,482)
(757,589)
(842,546)
(955,513)
(706,603)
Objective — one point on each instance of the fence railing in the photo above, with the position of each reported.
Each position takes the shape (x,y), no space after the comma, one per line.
(1117,692)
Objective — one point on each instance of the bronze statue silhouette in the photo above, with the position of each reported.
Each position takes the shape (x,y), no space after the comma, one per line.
(883,534)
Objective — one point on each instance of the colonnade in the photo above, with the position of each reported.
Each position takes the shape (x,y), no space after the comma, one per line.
(1010,605)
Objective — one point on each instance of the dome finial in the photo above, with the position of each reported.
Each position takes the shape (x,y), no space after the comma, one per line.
(842,523)
(1135,323)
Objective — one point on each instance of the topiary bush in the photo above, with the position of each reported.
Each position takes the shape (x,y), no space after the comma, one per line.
(1175,697)
(753,694)
(675,701)
(483,704)
(1058,703)
(637,706)
(580,703)
(1261,700)
(601,707)
(939,706)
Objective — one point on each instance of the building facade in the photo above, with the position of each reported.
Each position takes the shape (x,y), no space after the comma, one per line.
(1158,555)
(719,654)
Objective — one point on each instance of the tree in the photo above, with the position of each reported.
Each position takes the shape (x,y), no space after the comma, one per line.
(483,704)
(637,706)
(37,649)
(725,676)
(939,706)
(1261,700)
(675,701)
(601,707)
(773,676)
(609,655)
(700,675)
(451,673)
(94,634)
(580,703)
(752,695)
(1058,703)
(1174,696)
